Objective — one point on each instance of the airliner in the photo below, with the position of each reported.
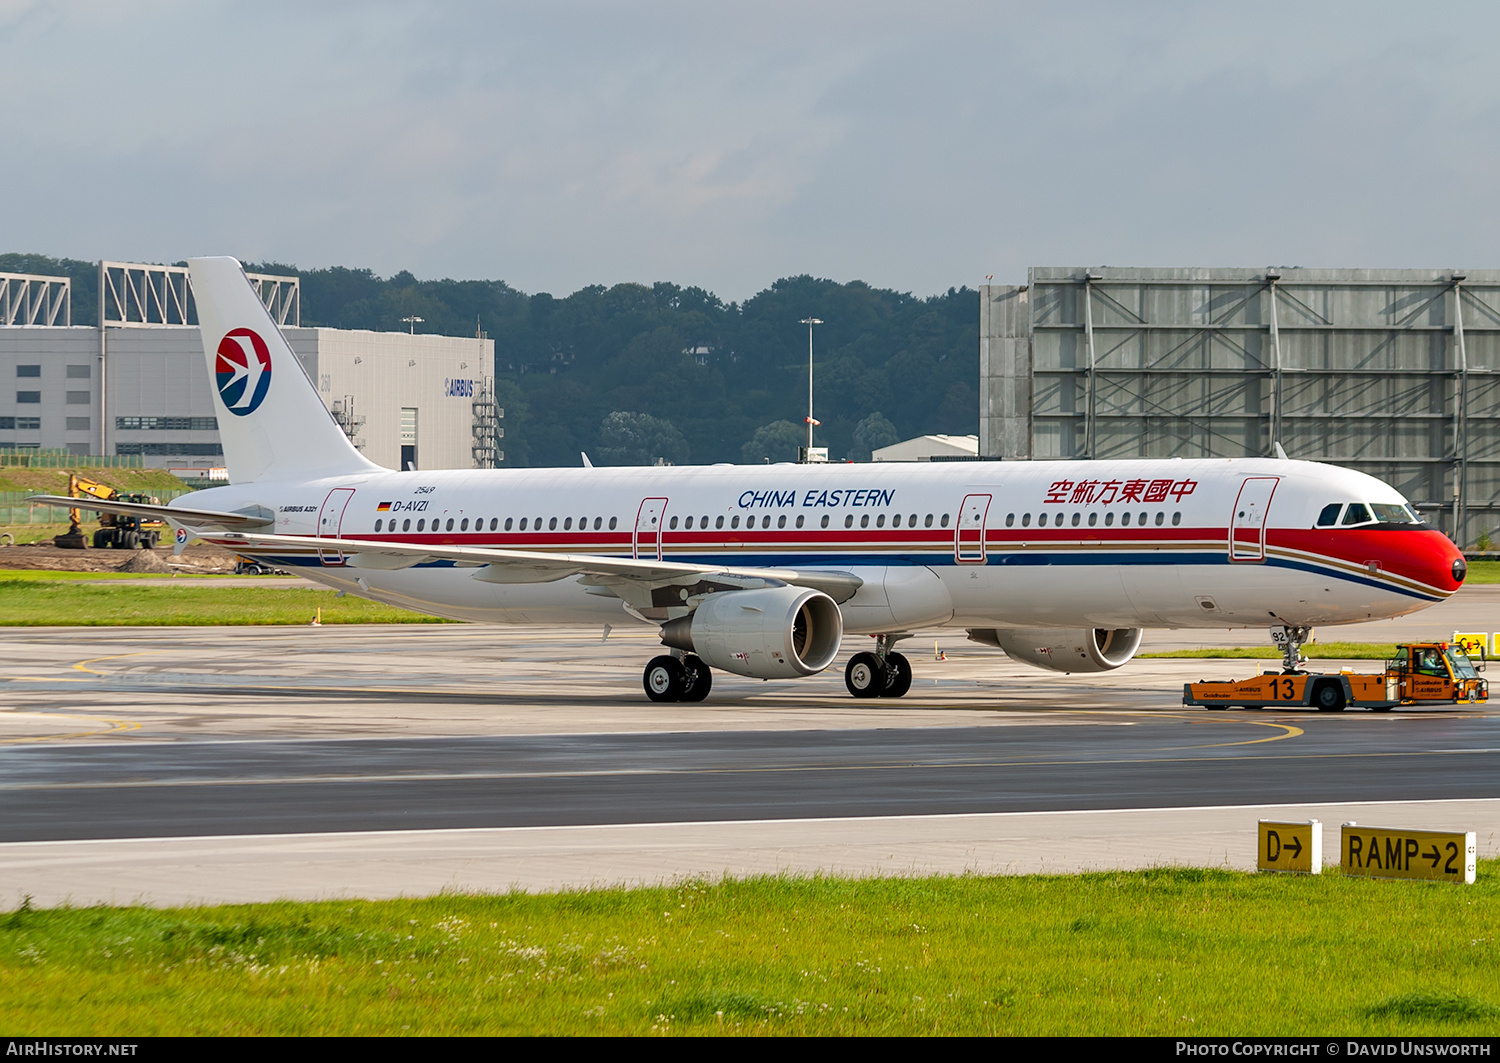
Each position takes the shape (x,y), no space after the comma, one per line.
(762,570)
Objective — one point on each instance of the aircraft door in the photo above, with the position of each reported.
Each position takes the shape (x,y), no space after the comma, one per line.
(1247,524)
(968,543)
(647,541)
(331,522)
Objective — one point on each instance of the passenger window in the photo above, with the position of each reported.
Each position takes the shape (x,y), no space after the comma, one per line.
(1041,520)
(718,522)
(945,520)
(465,525)
(1142,519)
(598,523)
(781,521)
(422,524)
(849,521)
(612,522)
(1025,520)
(552,524)
(825,520)
(1109,520)
(864,520)
(911,522)
(703,521)
(688,524)
(1093,519)
(1176,519)
(928,522)
(896,521)
(377,525)
(568,524)
(800,519)
(1330,515)
(1357,514)
(1124,519)
(1076,518)
(1161,518)
(1010,520)
(523,523)
(673,524)
(406,524)
(880,521)
(450,523)
(734,522)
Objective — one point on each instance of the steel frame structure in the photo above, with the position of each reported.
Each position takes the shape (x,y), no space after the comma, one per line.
(1394,372)
(32,299)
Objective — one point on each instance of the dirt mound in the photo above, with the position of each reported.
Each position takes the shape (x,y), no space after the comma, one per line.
(145,561)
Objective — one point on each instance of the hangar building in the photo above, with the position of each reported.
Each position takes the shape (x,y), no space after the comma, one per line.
(1395,373)
(139,385)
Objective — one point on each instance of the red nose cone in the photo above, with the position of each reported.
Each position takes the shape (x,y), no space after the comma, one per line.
(1446,563)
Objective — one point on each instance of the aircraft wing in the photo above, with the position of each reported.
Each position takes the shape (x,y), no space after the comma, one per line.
(536,566)
(176,514)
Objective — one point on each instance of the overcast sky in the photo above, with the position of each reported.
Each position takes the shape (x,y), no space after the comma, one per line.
(913,146)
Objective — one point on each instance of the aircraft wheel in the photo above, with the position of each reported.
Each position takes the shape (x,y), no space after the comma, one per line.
(665,679)
(897,676)
(865,676)
(697,679)
(1329,698)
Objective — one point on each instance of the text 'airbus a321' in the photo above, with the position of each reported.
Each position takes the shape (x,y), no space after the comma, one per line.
(761,570)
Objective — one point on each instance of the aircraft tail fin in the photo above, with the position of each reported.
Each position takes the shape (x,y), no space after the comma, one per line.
(272,423)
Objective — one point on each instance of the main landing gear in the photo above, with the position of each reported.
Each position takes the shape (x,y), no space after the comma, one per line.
(882,674)
(669,678)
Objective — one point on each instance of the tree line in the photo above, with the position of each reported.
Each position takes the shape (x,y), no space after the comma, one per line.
(638,373)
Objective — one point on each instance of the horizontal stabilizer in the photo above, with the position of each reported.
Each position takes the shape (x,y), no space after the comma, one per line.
(193,518)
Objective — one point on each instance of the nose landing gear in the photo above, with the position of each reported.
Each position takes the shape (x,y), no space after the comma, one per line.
(1290,639)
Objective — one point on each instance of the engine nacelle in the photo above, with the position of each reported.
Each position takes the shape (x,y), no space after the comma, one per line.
(773,633)
(1093,649)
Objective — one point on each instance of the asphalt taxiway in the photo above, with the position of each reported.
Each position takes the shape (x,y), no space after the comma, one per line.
(174,765)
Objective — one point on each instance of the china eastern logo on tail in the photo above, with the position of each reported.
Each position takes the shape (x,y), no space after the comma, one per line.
(243,371)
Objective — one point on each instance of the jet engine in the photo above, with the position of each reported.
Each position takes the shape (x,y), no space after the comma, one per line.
(1094,649)
(771,633)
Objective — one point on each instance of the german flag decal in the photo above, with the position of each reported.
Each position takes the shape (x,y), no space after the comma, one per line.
(383,507)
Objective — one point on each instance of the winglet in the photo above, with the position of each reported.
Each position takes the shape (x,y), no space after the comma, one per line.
(1281,453)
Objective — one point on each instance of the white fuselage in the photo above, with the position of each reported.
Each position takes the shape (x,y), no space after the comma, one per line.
(1106,544)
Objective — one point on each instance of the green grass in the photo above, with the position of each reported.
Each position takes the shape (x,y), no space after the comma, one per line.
(1483,572)
(60,600)
(1164,952)
(1327,651)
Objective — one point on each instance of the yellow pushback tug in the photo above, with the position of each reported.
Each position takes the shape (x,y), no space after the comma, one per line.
(1422,673)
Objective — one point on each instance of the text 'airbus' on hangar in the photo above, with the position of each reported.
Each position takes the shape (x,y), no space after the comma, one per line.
(138,385)
(1391,372)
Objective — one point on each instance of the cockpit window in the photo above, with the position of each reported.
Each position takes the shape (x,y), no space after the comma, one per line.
(1389,514)
(1330,515)
(1357,513)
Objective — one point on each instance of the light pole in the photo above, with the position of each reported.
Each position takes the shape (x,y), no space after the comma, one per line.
(413,321)
(810,322)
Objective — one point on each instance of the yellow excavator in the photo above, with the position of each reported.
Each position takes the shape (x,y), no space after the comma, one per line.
(116,530)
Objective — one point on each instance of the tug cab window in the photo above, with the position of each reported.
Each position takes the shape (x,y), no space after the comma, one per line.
(1429,662)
